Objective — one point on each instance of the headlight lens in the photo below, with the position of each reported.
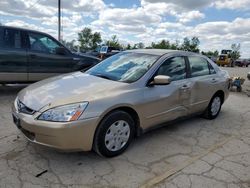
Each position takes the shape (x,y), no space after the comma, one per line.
(65,113)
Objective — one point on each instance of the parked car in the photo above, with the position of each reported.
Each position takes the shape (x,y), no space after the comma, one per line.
(242,63)
(104,52)
(120,98)
(28,56)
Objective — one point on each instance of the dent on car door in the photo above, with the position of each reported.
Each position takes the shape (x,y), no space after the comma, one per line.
(13,59)
(167,102)
(203,78)
(44,61)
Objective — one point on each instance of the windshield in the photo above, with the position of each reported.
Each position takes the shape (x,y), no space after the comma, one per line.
(104,49)
(124,67)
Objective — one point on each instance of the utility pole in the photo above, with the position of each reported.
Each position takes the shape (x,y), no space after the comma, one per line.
(59,20)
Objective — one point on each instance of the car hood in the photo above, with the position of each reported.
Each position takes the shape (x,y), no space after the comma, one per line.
(85,55)
(67,89)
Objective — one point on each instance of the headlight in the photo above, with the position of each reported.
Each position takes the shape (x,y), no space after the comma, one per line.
(64,113)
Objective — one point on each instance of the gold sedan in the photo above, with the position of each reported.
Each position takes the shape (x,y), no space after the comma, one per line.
(120,98)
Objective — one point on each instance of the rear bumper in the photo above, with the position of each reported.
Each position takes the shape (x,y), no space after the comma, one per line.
(67,136)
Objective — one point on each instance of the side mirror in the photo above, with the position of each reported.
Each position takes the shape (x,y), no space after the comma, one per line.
(60,50)
(161,80)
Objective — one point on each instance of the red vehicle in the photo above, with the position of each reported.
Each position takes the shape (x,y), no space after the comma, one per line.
(242,63)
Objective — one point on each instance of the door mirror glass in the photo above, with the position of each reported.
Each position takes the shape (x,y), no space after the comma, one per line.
(60,50)
(161,80)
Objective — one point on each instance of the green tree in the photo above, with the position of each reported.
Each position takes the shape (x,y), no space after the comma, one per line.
(71,45)
(235,54)
(128,47)
(211,53)
(191,45)
(114,42)
(134,47)
(163,44)
(139,45)
(96,40)
(89,40)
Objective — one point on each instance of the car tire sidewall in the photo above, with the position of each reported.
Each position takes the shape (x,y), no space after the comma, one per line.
(99,140)
(208,113)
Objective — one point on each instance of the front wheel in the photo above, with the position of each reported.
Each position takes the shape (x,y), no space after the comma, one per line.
(114,134)
(213,108)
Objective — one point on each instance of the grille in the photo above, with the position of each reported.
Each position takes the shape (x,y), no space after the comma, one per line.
(24,109)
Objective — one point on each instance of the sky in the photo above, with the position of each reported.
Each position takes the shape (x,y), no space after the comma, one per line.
(217,23)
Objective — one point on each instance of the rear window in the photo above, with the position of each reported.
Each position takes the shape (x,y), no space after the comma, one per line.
(10,38)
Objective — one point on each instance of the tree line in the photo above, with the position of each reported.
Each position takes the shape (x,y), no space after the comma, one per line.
(90,40)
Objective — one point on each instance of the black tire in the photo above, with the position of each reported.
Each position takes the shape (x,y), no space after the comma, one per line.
(239,89)
(208,114)
(99,139)
(232,64)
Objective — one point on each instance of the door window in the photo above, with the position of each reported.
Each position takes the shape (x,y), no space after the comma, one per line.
(211,69)
(41,43)
(174,67)
(198,66)
(11,38)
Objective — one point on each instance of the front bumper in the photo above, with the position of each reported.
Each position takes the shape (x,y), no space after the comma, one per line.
(68,136)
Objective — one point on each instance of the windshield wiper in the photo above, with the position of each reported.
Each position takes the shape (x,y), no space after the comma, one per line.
(102,76)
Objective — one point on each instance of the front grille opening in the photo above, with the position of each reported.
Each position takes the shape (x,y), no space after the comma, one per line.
(24,109)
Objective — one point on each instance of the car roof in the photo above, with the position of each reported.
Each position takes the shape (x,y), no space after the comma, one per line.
(23,29)
(161,52)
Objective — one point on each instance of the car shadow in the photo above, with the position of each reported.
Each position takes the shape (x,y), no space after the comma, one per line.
(11,89)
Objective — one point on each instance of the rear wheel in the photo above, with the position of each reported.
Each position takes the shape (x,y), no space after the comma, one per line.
(213,108)
(114,134)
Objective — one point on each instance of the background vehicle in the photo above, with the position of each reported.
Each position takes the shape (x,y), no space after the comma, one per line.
(104,52)
(123,96)
(242,62)
(28,56)
(225,58)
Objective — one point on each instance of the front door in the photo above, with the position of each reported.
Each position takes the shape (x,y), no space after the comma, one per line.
(13,59)
(43,60)
(167,102)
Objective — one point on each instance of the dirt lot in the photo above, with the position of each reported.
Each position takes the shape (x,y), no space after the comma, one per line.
(193,153)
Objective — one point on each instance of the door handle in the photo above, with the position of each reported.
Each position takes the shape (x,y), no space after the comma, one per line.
(185,87)
(214,80)
(32,56)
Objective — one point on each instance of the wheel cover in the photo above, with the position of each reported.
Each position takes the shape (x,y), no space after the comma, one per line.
(215,107)
(117,135)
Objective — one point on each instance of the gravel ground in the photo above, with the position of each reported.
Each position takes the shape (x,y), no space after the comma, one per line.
(192,153)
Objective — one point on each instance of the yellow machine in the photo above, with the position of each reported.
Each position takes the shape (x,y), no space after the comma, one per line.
(225,58)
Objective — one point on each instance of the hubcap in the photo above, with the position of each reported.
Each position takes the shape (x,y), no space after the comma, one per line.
(117,135)
(215,107)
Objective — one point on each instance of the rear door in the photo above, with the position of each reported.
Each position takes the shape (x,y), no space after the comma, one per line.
(43,61)
(203,80)
(13,57)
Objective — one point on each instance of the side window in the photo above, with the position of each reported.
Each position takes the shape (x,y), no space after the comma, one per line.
(41,43)
(10,38)
(198,66)
(211,69)
(174,67)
